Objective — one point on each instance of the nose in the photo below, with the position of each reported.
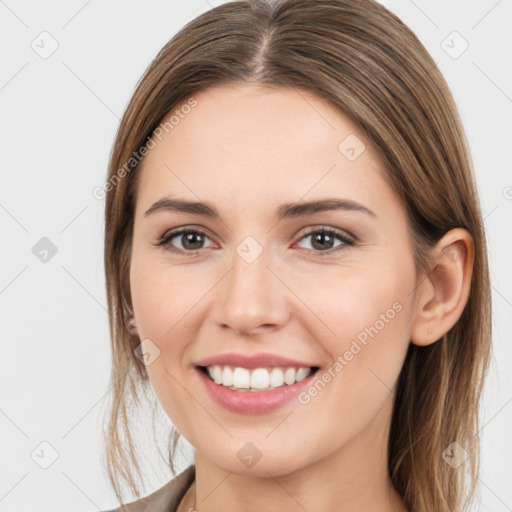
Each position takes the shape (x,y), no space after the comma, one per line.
(252,297)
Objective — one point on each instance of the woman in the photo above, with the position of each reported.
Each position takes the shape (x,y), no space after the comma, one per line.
(296,265)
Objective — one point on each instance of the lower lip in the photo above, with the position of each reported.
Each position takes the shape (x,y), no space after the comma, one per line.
(253,402)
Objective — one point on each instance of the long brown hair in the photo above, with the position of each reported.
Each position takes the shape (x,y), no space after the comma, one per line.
(369,65)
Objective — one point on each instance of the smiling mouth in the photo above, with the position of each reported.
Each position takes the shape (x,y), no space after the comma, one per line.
(257,379)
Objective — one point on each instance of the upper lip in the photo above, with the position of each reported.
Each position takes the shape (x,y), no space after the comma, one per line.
(255,361)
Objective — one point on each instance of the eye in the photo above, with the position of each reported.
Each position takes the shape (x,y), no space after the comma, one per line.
(323,240)
(190,239)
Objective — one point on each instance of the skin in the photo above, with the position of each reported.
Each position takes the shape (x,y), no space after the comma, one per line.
(246,150)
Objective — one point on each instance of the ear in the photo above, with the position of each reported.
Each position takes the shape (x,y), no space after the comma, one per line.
(444,292)
(132,326)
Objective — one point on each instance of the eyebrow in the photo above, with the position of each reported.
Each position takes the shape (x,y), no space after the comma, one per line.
(289,210)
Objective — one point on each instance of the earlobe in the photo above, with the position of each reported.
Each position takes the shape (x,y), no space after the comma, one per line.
(445,291)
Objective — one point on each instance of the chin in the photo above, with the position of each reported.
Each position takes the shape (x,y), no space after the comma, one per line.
(250,461)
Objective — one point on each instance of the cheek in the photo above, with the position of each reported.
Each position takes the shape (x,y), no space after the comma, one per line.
(370,321)
(349,300)
(362,317)
(162,301)
(161,296)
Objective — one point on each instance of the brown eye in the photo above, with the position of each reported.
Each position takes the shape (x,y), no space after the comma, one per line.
(323,240)
(191,241)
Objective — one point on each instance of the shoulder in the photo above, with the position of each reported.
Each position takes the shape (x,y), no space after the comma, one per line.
(165,499)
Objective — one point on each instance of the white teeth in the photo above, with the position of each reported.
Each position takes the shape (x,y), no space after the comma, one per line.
(258,379)
(209,371)
(302,373)
(276,377)
(289,376)
(227,376)
(217,375)
(241,378)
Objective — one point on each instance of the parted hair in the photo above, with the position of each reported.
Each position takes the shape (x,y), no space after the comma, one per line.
(374,70)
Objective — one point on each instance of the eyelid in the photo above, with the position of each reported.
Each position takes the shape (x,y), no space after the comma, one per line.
(347,238)
(164,239)
(187,227)
(305,231)
(324,227)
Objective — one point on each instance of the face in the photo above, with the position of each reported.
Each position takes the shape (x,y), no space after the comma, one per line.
(324,288)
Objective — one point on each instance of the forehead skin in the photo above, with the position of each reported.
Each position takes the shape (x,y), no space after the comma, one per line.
(248,149)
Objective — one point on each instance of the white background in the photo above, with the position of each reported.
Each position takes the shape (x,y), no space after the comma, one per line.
(59,116)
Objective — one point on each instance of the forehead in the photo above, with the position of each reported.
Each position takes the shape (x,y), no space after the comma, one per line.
(251,144)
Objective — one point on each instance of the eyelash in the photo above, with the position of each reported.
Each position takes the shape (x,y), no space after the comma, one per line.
(164,241)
